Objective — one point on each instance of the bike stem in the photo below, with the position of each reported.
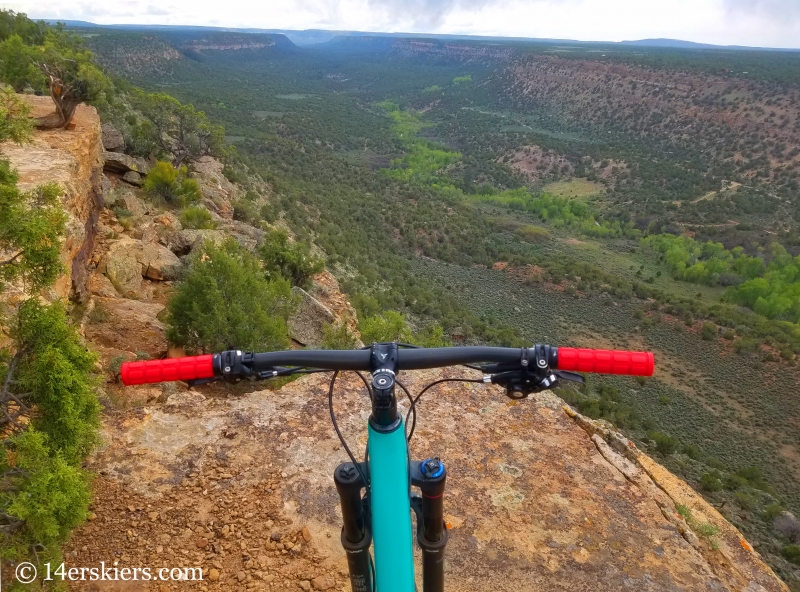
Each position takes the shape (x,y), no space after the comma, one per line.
(384,417)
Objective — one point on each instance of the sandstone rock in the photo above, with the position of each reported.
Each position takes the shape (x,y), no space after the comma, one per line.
(70,158)
(323,583)
(121,265)
(100,285)
(159,263)
(185,400)
(149,232)
(585,522)
(112,138)
(305,585)
(132,326)
(133,178)
(247,236)
(127,199)
(168,220)
(325,288)
(105,185)
(183,242)
(117,162)
(307,323)
(217,191)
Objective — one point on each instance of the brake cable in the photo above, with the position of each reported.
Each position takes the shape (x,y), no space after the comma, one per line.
(339,432)
(422,392)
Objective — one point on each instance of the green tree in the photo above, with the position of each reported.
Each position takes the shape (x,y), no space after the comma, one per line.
(292,260)
(53,369)
(41,498)
(18,64)
(15,124)
(179,129)
(224,301)
(32,54)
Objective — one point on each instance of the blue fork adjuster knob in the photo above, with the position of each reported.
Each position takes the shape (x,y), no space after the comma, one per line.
(432,468)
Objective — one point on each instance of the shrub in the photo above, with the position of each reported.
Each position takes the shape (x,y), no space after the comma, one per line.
(283,258)
(733,482)
(224,301)
(691,451)
(745,345)
(791,553)
(389,326)
(665,444)
(431,336)
(773,510)
(245,211)
(56,367)
(197,217)
(709,331)
(115,366)
(171,184)
(701,529)
(31,223)
(338,336)
(744,500)
(531,233)
(710,483)
(43,491)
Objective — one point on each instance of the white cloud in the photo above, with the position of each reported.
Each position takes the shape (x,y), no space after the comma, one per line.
(769,23)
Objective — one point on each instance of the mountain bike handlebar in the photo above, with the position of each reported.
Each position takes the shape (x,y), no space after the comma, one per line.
(264,365)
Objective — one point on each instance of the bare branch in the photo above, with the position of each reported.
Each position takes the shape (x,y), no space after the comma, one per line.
(13,259)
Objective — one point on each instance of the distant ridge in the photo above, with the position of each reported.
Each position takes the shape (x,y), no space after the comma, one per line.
(308,37)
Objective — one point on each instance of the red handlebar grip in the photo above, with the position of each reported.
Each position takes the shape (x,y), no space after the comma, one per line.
(188,368)
(605,361)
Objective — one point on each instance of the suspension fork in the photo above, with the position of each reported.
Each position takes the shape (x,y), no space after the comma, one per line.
(430,475)
(356,532)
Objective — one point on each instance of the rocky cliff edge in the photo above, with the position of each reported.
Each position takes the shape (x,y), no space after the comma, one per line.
(538,497)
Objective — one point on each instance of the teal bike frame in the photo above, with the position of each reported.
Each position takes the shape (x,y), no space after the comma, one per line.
(389,492)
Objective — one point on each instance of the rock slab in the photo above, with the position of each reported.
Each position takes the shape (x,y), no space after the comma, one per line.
(307,324)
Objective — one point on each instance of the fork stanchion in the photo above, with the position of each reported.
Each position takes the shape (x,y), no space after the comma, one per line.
(430,475)
(356,534)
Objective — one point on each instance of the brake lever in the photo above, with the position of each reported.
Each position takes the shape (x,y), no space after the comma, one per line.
(571,376)
(520,383)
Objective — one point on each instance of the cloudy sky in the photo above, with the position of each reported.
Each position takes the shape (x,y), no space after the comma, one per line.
(766,23)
